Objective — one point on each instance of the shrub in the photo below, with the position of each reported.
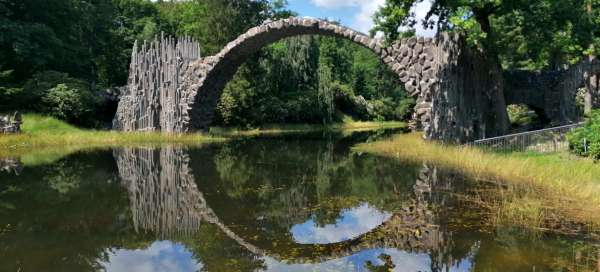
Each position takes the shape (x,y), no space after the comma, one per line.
(585,141)
(68,103)
(61,96)
(405,108)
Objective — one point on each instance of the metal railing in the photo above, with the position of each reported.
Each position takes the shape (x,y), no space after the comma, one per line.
(544,140)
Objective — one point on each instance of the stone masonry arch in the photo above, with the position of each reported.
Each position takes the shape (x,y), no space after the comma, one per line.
(458,98)
(416,66)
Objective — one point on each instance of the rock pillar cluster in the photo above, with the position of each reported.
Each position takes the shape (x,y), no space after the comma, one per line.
(11,124)
(152,101)
(162,190)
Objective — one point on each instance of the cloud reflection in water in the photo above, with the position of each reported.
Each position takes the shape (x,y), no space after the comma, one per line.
(351,223)
(160,256)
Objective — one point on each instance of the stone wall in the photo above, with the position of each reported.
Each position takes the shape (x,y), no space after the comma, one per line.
(455,92)
(592,97)
(553,93)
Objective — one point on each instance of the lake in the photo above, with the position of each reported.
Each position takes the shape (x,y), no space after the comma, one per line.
(302,202)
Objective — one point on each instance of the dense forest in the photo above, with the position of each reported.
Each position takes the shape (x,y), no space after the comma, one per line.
(59,57)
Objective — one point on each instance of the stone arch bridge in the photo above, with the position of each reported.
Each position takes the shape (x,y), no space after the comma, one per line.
(172,88)
(165,200)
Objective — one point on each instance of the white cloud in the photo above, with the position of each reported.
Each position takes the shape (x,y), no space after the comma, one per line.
(363,21)
(332,4)
(351,223)
(160,256)
(420,11)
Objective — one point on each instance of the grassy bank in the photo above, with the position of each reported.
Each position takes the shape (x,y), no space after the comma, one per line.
(544,190)
(297,128)
(46,137)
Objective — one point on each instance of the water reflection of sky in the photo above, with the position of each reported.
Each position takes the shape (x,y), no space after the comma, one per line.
(402,260)
(169,256)
(160,256)
(351,223)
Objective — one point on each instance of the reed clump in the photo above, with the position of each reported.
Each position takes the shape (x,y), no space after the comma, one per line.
(549,187)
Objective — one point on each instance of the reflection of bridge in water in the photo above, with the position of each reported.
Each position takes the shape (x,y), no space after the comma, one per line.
(165,200)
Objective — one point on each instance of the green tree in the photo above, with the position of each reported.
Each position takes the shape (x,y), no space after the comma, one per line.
(59,95)
(518,33)
(326,93)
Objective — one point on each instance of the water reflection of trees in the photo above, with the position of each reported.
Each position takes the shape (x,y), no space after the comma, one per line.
(263,186)
(286,181)
(259,191)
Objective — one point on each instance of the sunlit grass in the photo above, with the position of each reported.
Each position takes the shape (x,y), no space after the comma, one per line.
(550,187)
(48,135)
(275,129)
(44,139)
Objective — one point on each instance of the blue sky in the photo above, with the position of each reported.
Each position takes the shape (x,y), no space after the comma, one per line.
(356,14)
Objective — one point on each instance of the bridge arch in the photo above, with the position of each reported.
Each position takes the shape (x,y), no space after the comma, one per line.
(413,60)
(458,93)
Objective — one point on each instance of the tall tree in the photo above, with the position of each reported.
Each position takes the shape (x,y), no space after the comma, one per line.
(531,34)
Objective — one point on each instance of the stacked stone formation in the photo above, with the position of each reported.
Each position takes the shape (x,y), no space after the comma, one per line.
(9,165)
(162,190)
(152,100)
(11,124)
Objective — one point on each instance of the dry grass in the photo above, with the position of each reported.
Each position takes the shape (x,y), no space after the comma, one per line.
(550,187)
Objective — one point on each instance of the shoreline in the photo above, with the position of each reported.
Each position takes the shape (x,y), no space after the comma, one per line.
(544,191)
(41,134)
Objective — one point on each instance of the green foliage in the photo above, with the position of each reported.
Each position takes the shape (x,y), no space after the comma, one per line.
(61,96)
(521,34)
(68,103)
(38,124)
(309,79)
(586,141)
(521,115)
(326,93)
(88,44)
(214,23)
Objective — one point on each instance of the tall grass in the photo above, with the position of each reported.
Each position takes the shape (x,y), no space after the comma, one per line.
(551,187)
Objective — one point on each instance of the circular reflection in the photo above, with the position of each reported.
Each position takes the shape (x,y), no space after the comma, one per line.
(350,224)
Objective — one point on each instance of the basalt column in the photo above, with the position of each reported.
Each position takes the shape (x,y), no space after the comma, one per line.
(152,99)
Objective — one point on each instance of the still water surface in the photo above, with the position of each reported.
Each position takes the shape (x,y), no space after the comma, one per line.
(293,203)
